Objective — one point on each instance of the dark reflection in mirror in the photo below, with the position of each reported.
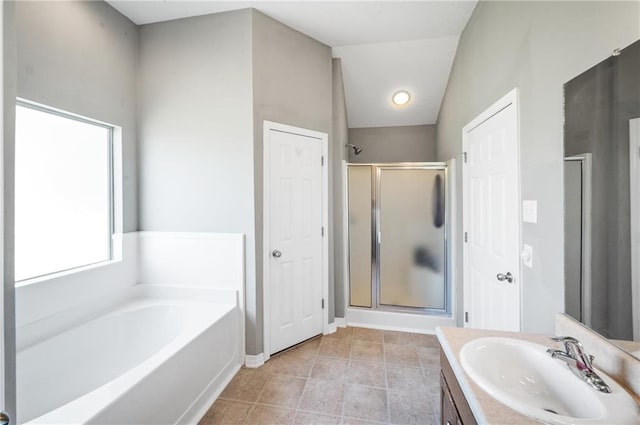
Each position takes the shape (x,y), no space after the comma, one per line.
(601,276)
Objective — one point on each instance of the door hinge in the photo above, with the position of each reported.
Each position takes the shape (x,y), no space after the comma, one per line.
(464,156)
(466,237)
(466,317)
(322,231)
(322,160)
(323,303)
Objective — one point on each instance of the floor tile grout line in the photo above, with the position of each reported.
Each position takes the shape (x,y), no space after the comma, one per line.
(346,390)
(386,393)
(304,390)
(255,403)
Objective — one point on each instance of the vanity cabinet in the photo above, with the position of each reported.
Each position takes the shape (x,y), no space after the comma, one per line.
(454,408)
(448,411)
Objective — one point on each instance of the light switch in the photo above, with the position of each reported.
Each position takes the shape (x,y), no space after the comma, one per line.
(530,211)
(527,255)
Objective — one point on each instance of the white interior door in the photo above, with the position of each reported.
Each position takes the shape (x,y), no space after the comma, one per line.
(295,202)
(492,218)
(7,336)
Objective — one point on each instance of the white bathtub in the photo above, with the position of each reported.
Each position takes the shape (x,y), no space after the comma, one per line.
(159,356)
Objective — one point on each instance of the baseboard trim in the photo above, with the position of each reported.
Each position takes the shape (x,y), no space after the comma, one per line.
(340,322)
(392,328)
(254,361)
(396,321)
(331,329)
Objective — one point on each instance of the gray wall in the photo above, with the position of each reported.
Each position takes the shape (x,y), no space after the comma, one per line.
(196,132)
(339,138)
(536,46)
(82,57)
(415,143)
(291,85)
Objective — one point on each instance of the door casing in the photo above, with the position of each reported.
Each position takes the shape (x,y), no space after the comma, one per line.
(266,231)
(7,294)
(634,175)
(510,98)
(586,162)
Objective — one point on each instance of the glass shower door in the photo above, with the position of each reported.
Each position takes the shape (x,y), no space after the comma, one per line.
(360,240)
(411,237)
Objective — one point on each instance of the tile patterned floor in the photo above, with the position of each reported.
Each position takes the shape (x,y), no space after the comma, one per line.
(355,376)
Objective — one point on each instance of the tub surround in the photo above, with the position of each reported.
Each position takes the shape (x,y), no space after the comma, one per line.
(136,354)
(191,282)
(195,260)
(486,409)
(211,260)
(42,298)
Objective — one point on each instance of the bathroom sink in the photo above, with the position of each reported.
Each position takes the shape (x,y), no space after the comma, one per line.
(523,376)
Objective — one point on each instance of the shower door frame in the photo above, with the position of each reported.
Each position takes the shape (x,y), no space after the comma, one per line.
(375,241)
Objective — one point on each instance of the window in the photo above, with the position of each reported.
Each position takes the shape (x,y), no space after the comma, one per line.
(63,191)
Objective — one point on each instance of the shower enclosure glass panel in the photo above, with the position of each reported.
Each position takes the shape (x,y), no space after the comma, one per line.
(360,246)
(397,237)
(411,238)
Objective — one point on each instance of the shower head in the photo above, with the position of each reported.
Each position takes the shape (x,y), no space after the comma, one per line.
(356,150)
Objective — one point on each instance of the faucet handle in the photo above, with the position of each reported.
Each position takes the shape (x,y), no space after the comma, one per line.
(566,339)
(574,348)
(571,345)
(569,342)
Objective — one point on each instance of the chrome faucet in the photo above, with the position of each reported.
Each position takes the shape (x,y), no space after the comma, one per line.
(578,362)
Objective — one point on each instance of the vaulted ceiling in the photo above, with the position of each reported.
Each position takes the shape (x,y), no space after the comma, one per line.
(385,46)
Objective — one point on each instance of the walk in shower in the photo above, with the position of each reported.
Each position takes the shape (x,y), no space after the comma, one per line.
(398,237)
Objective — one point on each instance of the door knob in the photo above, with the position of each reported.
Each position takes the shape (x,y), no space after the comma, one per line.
(502,277)
(276,253)
(4,418)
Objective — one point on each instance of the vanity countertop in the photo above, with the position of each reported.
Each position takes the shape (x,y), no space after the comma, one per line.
(485,408)
(629,346)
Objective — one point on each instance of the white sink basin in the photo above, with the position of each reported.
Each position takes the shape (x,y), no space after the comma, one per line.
(523,376)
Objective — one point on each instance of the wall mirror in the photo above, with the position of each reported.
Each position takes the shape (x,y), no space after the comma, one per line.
(602,197)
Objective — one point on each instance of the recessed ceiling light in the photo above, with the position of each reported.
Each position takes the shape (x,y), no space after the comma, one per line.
(401,97)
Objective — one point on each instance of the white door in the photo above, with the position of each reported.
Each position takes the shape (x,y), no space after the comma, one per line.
(295,221)
(491,218)
(7,342)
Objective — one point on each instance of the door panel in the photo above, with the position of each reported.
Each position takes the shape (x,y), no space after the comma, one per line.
(411,237)
(295,211)
(492,222)
(360,242)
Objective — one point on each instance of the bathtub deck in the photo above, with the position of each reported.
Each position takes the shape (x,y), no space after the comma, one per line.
(353,376)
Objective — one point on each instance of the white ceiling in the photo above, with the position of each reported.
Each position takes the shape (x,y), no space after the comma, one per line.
(384,45)
(373,72)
